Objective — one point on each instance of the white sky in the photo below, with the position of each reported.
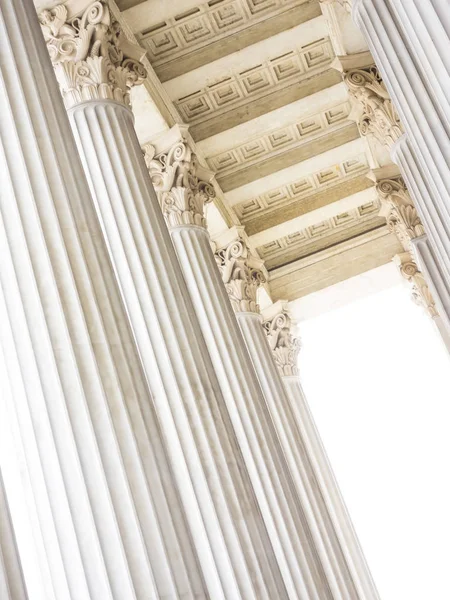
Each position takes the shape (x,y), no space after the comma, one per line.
(377,379)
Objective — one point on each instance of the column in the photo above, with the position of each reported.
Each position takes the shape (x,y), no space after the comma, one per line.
(96,67)
(242,274)
(12,585)
(93,501)
(182,192)
(409,41)
(285,348)
(376,115)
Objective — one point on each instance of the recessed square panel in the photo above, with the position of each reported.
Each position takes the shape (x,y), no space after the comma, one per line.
(256,80)
(259,6)
(161,44)
(302,186)
(195,30)
(226,94)
(309,126)
(194,107)
(228,16)
(276,197)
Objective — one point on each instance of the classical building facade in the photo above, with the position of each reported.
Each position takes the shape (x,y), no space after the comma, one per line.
(175,177)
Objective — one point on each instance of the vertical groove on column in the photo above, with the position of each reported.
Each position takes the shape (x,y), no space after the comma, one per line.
(12,585)
(205,456)
(251,419)
(105,513)
(330,489)
(323,534)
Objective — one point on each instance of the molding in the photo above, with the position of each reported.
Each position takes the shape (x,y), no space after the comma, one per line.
(237,88)
(302,188)
(188,40)
(328,233)
(279,140)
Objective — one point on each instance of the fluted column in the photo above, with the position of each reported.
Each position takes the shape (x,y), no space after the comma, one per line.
(12,585)
(409,42)
(242,274)
(285,347)
(96,67)
(182,192)
(92,497)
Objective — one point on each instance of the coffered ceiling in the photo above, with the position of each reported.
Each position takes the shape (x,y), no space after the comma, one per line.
(257,84)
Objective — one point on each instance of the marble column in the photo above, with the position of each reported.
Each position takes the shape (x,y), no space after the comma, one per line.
(12,584)
(242,274)
(182,192)
(376,115)
(92,497)
(96,67)
(285,346)
(409,42)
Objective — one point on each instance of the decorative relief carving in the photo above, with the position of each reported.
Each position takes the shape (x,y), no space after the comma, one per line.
(301,188)
(420,292)
(374,110)
(238,88)
(285,346)
(206,24)
(90,54)
(241,274)
(347,4)
(323,234)
(403,220)
(278,141)
(181,193)
(399,210)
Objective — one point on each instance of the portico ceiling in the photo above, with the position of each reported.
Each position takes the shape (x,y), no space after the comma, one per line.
(256,83)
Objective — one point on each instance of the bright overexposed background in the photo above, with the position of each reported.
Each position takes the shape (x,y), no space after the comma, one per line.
(377,378)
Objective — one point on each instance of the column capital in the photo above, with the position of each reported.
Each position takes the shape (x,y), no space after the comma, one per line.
(92,58)
(285,346)
(242,273)
(373,109)
(420,292)
(181,183)
(398,208)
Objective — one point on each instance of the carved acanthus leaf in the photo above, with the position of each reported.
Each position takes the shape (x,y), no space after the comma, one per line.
(181,193)
(240,276)
(420,292)
(375,112)
(398,208)
(90,54)
(285,346)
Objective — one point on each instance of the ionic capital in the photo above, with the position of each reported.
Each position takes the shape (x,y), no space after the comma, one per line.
(181,191)
(372,106)
(241,272)
(284,345)
(90,54)
(420,292)
(398,209)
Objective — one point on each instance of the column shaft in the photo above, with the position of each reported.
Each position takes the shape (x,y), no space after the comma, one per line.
(325,541)
(282,512)
(329,489)
(231,540)
(12,585)
(105,520)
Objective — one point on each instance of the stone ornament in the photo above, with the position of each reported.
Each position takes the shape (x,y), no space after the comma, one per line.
(181,193)
(91,56)
(398,209)
(420,292)
(373,107)
(241,275)
(347,4)
(285,346)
